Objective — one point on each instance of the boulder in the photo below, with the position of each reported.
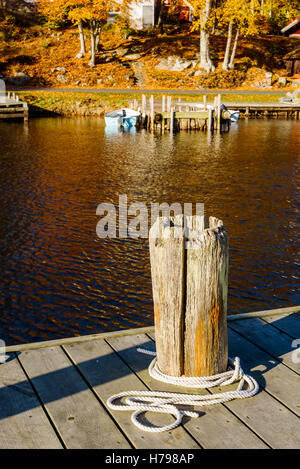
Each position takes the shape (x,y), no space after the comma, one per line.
(20,79)
(58,69)
(174,63)
(265,82)
(198,73)
(121,52)
(282,81)
(133,56)
(61,78)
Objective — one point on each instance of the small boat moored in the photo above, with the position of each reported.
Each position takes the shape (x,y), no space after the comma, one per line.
(124,117)
(234,115)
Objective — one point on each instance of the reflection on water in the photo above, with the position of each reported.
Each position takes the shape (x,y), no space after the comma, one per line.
(58,279)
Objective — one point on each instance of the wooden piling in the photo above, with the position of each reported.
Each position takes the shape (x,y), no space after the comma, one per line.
(189,268)
(219,112)
(179,108)
(144,103)
(169,103)
(163,104)
(152,117)
(210,120)
(172,120)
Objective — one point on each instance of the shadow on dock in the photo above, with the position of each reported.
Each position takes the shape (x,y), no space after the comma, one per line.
(272,342)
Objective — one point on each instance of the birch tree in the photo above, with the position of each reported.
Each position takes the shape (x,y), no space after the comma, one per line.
(203,11)
(240,17)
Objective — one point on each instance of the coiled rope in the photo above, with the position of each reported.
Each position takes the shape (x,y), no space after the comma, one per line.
(167,402)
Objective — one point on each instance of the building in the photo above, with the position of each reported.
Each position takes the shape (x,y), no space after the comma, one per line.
(292,29)
(292,61)
(145,13)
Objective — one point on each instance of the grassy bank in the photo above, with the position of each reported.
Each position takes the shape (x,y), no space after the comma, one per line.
(96,104)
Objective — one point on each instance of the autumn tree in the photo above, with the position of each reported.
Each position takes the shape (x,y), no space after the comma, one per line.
(280,12)
(203,12)
(241,17)
(92,13)
(244,18)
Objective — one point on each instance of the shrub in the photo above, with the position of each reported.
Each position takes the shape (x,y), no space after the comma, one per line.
(222,79)
(46,44)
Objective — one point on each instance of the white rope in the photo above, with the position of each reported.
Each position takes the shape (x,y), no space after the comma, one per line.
(167,402)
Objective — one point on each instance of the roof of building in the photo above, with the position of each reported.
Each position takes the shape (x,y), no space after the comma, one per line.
(290,25)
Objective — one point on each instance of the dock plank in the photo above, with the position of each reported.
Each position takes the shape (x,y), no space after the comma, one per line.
(270,339)
(289,324)
(216,428)
(78,416)
(23,422)
(273,422)
(279,381)
(108,375)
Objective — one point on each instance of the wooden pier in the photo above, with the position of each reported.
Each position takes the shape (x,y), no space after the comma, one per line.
(174,115)
(53,394)
(12,108)
(269,110)
(165,114)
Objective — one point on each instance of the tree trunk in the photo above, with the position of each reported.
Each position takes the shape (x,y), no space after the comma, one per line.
(225,64)
(98,31)
(93,33)
(236,40)
(160,22)
(205,60)
(82,41)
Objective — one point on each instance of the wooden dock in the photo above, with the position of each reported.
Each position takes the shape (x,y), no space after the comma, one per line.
(12,108)
(166,114)
(169,114)
(55,396)
(271,110)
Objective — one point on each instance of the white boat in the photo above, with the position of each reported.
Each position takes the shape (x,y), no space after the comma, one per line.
(124,117)
(234,115)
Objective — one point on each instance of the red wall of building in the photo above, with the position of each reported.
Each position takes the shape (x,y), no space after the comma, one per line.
(297,32)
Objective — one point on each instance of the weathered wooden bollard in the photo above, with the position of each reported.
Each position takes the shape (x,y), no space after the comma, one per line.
(189,268)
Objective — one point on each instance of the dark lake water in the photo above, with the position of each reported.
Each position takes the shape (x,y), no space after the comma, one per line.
(59,280)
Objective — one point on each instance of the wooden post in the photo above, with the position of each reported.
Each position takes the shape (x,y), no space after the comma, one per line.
(215,112)
(172,119)
(26,112)
(169,103)
(152,112)
(205,102)
(210,120)
(179,108)
(219,112)
(144,103)
(163,104)
(189,268)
